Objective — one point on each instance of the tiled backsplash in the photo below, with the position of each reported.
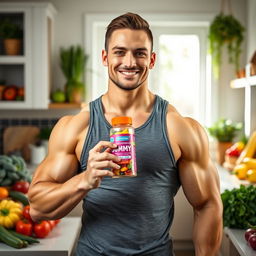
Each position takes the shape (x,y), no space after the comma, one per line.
(41,123)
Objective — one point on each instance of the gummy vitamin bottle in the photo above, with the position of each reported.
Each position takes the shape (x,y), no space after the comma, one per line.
(123,135)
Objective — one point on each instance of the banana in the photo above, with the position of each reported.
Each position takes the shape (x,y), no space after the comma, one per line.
(249,149)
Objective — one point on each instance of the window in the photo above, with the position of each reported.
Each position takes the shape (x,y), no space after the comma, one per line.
(182,74)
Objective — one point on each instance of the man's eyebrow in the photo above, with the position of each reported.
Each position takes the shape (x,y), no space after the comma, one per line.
(142,49)
(118,48)
(125,49)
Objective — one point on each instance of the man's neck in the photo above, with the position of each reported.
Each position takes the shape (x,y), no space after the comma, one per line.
(122,102)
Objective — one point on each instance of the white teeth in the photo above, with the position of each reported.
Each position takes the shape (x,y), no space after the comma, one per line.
(128,73)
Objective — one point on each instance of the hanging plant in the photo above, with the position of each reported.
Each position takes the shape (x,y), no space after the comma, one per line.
(225,30)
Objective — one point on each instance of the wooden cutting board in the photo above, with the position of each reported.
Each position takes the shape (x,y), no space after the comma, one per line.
(17,138)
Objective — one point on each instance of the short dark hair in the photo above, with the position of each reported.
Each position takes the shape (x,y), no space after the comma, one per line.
(131,21)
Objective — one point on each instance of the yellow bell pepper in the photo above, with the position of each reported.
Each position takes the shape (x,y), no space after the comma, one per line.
(240,171)
(251,175)
(10,213)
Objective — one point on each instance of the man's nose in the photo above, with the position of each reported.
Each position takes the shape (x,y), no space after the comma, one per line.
(129,60)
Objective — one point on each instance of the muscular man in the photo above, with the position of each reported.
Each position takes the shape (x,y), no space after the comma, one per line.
(129,216)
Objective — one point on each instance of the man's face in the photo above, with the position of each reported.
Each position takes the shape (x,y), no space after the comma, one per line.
(128,58)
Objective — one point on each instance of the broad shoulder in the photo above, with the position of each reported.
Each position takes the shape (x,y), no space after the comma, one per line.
(69,129)
(188,134)
(74,123)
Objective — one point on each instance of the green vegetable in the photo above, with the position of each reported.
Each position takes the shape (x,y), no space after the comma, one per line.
(11,240)
(13,168)
(29,239)
(16,195)
(239,207)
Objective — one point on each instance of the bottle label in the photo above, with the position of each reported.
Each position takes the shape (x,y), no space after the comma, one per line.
(126,151)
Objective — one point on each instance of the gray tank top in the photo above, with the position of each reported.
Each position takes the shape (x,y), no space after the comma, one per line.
(131,216)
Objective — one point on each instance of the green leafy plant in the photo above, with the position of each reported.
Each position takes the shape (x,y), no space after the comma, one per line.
(72,61)
(224,130)
(9,30)
(239,207)
(225,30)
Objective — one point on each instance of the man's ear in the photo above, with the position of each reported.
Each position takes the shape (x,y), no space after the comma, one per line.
(104,57)
(152,60)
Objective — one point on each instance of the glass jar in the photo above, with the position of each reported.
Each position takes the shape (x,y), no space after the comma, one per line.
(123,135)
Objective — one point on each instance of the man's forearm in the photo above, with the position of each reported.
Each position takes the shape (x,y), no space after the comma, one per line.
(52,200)
(207,231)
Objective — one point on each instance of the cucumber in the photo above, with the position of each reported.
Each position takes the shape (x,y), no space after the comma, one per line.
(9,167)
(5,158)
(13,176)
(29,239)
(18,196)
(16,161)
(2,173)
(9,239)
(6,182)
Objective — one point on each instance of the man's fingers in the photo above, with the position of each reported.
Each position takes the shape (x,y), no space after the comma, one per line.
(102,173)
(106,164)
(104,144)
(107,156)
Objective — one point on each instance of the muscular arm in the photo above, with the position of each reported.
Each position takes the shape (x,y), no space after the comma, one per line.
(200,184)
(56,188)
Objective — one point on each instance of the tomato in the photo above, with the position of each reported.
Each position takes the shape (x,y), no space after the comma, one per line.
(52,223)
(4,193)
(26,214)
(57,221)
(24,227)
(21,186)
(42,229)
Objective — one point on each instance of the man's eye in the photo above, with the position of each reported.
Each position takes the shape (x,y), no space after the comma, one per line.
(140,54)
(119,52)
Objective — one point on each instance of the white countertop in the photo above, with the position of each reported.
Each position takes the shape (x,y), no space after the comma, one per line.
(228,180)
(237,238)
(59,242)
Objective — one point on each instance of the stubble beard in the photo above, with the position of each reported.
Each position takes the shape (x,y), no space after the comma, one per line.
(123,87)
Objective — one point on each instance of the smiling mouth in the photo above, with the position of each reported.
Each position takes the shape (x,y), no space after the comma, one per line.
(129,73)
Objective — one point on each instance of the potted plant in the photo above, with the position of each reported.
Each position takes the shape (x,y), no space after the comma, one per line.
(12,36)
(224,131)
(72,62)
(225,30)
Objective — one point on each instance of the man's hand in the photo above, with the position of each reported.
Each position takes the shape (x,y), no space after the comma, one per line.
(99,160)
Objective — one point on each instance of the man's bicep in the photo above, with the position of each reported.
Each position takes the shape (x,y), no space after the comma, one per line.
(200,184)
(61,162)
(56,168)
(198,174)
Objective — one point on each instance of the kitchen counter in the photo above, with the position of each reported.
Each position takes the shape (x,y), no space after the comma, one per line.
(60,242)
(238,244)
(233,243)
(228,180)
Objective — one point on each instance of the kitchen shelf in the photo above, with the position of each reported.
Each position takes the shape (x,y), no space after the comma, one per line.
(31,69)
(248,83)
(243,82)
(65,105)
(12,59)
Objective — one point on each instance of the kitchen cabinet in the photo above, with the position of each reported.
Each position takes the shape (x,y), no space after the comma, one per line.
(31,70)
(60,242)
(249,85)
